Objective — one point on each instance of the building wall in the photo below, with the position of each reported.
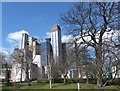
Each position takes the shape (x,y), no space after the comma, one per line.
(46,55)
(34,72)
(56,42)
(37,61)
(24,41)
(114,68)
(32,47)
(16,72)
(2,73)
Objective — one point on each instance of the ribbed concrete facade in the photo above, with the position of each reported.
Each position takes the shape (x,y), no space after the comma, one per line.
(56,43)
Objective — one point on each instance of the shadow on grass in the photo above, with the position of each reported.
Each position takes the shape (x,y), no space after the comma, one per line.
(15,86)
(118,87)
(54,86)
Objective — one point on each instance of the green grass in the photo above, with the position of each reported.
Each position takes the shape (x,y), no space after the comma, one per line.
(56,86)
(112,87)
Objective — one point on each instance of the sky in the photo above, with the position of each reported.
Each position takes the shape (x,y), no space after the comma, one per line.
(35,19)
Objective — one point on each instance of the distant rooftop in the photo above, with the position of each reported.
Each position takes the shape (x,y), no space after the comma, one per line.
(55,28)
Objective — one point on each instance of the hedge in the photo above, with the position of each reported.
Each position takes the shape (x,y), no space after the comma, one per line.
(43,80)
(75,80)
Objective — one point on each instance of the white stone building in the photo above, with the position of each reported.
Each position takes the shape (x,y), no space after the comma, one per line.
(31,60)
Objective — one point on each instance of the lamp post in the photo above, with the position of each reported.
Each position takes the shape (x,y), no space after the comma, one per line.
(50,80)
(49,61)
(79,85)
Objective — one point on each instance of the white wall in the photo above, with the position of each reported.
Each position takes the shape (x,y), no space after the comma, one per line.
(16,72)
(34,72)
(114,73)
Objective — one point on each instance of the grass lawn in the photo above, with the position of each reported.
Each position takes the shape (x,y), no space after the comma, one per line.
(56,86)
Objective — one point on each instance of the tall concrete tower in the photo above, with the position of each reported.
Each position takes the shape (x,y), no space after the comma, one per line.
(56,42)
(24,41)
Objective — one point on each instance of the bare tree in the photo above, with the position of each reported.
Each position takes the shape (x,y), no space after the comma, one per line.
(17,58)
(22,58)
(2,57)
(2,60)
(91,20)
(80,59)
(28,60)
(85,61)
(5,67)
(64,63)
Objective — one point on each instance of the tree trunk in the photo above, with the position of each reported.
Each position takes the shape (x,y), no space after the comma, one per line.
(21,72)
(65,80)
(7,75)
(80,72)
(27,75)
(86,72)
(99,65)
(65,77)
(21,75)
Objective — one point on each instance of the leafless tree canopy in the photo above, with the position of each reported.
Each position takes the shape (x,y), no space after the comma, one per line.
(93,19)
(2,57)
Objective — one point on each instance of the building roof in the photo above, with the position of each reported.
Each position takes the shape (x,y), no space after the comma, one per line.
(55,28)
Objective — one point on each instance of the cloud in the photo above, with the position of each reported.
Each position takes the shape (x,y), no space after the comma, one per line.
(37,37)
(37,19)
(6,51)
(15,36)
(14,39)
(48,34)
(67,38)
(113,34)
(108,35)
(3,50)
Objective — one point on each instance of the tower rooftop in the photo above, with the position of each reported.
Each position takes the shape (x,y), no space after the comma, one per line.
(55,28)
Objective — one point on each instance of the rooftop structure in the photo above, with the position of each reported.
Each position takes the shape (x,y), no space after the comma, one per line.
(55,28)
